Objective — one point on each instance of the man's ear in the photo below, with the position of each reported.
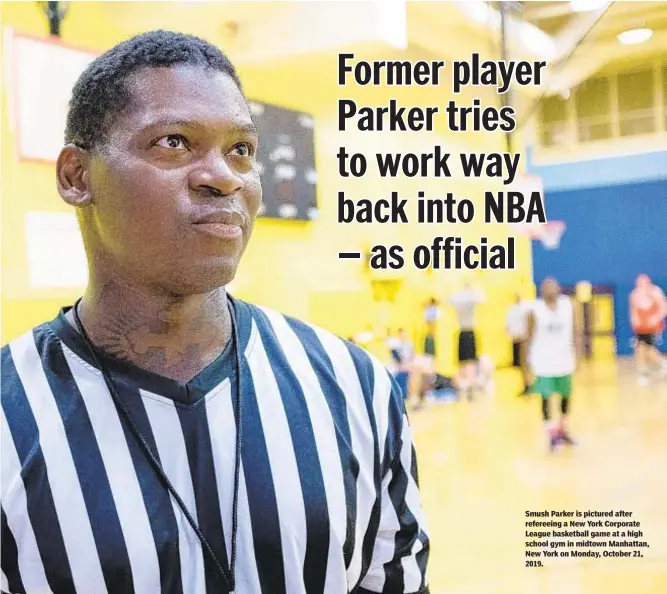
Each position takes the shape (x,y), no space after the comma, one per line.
(73,176)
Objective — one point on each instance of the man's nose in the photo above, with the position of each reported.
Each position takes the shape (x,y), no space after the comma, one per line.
(214,175)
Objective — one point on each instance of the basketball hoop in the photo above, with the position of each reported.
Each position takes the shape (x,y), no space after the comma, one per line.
(526,185)
(549,234)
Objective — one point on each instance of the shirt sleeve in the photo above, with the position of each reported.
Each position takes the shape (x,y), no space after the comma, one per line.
(401,549)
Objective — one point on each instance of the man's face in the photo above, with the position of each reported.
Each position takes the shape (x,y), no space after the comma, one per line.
(550,289)
(643,281)
(175,190)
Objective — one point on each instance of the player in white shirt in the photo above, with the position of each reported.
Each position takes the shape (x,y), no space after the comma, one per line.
(552,354)
(517,328)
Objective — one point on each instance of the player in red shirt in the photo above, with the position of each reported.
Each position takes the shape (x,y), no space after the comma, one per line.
(648,309)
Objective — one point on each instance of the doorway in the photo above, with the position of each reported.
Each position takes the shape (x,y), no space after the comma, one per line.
(597,325)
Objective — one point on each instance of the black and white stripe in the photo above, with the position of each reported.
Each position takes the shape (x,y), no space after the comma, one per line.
(328,500)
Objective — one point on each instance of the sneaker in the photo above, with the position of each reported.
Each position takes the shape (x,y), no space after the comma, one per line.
(565,438)
(642,380)
(553,442)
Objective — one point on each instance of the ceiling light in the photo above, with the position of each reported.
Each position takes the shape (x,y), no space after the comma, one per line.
(479,11)
(586,5)
(537,41)
(634,36)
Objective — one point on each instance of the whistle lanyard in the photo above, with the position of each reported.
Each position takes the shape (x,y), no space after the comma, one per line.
(228,576)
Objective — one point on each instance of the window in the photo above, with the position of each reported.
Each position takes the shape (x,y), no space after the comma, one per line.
(593,106)
(553,121)
(635,103)
(617,105)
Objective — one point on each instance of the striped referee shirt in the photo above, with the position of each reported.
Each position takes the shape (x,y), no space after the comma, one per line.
(328,497)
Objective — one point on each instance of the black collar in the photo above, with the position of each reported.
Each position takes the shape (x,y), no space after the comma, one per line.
(133,376)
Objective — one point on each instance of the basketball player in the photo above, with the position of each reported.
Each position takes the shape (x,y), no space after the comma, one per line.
(465,303)
(431,314)
(431,317)
(162,436)
(551,355)
(483,381)
(485,370)
(402,354)
(516,326)
(648,309)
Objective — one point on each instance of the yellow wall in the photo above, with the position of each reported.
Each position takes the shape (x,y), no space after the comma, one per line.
(290,266)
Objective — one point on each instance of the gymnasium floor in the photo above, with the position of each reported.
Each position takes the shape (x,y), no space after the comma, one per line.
(484,464)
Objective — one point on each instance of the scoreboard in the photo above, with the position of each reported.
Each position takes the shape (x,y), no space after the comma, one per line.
(286,162)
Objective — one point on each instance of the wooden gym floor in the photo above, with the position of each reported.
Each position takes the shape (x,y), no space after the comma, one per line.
(484,464)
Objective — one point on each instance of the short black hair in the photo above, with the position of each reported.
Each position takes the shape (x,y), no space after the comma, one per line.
(101,92)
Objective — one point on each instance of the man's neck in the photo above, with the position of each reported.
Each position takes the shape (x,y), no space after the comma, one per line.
(175,337)
(551,303)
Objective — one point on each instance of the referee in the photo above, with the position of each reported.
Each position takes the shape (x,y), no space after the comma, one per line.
(160,436)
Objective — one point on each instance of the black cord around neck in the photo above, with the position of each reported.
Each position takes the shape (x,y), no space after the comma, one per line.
(229,576)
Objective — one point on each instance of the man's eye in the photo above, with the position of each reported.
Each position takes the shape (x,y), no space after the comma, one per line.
(244,149)
(173,141)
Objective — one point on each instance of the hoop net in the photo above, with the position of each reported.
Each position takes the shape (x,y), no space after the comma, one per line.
(549,234)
